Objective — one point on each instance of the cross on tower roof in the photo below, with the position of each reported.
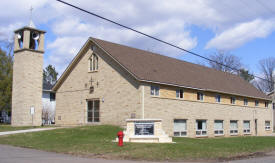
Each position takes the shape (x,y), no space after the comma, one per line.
(31,22)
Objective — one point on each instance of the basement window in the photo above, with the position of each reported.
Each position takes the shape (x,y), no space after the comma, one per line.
(179,93)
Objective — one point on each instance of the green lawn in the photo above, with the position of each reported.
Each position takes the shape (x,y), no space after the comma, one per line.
(10,128)
(96,141)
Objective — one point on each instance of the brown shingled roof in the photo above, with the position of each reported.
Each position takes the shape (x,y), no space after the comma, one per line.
(147,66)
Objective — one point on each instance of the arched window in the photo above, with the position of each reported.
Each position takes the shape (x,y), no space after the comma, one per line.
(93,63)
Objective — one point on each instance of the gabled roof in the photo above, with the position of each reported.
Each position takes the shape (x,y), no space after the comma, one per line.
(270,93)
(151,67)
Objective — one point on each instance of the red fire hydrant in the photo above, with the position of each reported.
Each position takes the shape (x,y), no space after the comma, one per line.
(120,138)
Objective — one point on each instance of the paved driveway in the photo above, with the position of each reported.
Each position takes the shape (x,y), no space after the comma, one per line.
(9,154)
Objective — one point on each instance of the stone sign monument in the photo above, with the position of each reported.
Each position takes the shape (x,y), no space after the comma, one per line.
(145,131)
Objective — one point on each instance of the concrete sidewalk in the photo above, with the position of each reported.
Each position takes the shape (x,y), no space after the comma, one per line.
(26,131)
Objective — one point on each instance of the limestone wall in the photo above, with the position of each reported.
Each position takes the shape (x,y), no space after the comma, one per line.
(118,92)
(27,88)
(169,109)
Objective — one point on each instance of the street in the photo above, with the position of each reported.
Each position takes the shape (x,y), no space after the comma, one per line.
(9,154)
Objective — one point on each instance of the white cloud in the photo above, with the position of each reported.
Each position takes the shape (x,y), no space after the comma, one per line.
(234,23)
(63,49)
(242,33)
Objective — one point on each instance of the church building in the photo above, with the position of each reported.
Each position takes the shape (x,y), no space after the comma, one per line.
(107,83)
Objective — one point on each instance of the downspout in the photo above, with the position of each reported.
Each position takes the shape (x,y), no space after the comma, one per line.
(272,117)
(142,101)
(273,103)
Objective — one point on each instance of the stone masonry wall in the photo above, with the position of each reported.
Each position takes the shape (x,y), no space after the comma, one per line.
(120,99)
(27,88)
(170,109)
(118,92)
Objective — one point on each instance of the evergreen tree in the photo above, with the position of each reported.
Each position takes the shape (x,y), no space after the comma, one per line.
(6,62)
(245,75)
(50,74)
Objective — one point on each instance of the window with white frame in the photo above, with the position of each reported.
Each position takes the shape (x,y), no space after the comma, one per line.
(179,93)
(267,125)
(245,102)
(218,127)
(180,127)
(266,104)
(52,96)
(218,98)
(200,96)
(233,127)
(93,62)
(256,102)
(201,128)
(154,90)
(246,127)
(233,100)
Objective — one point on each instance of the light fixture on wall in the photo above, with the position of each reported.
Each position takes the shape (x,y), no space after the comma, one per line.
(102,99)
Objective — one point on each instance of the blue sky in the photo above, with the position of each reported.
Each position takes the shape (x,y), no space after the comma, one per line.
(243,27)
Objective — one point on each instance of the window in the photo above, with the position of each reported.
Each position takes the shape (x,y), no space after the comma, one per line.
(233,127)
(273,105)
(179,93)
(245,102)
(266,104)
(155,90)
(233,100)
(200,96)
(201,128)
(218,98)
(180,127)
(52,96)
(246,127)
(256,103)
(93,110)
(218,127)
(93,63)
(267,125)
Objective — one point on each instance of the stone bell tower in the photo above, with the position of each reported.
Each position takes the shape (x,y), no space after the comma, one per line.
(27,76)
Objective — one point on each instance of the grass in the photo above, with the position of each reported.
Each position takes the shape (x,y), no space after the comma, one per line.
(96,141)
(11,128)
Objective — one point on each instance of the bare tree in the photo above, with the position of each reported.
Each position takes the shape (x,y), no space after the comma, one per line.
(7,45)
(230,61)
(267,70)
(47,114)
